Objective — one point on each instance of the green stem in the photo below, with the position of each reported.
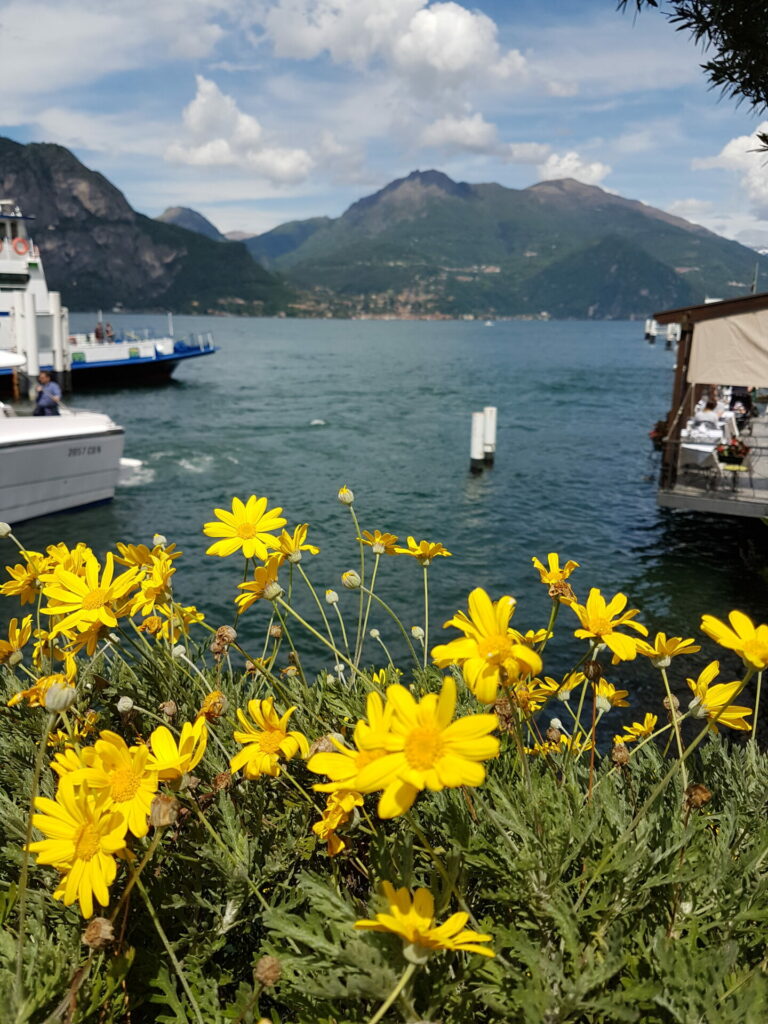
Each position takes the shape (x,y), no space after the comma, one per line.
(400,626)
(169,950)
(50,718)
(134,876)
(318,602)
(551,624)
(757,707)
(321,638)
(673,706)
(359,651)
(405,977)
(362,581)
(426,613)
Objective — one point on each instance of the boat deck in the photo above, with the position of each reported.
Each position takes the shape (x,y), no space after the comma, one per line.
(717,488)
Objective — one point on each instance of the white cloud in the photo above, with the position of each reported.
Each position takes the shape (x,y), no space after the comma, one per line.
(219,134)
(571,165)
(524,152)
(696,210)
(472,132)
(740,155)
(427,45)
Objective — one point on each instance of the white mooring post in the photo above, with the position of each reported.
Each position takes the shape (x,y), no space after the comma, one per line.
(170,325)
(476,456)
(489,434)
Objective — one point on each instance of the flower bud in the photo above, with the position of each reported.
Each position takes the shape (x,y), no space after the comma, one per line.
(164,810)
(331,597)
(268,971)
(179,651)
(99,934)
(6,530)
(159,541)
(417,633)
(350,579)
(345,495)
(374,634)
(59,698)
(273,590)
(125,705)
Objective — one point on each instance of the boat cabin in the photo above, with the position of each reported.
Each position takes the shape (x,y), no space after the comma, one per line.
(715,439)
(15,247)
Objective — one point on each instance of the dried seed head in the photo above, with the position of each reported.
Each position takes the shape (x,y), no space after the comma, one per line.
(505,714)
(563,590)
(275,630)
(99,934)
(168,708)
(619,754)
(672,704)
(553,734)
(226,634)
(322,745)
(593,670)
(267,971)
(164,810)
(697,795)
(222,781)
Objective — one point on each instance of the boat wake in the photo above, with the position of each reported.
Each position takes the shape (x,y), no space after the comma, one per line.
(197,464)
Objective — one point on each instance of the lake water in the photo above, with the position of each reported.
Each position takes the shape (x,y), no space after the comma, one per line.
(293,409)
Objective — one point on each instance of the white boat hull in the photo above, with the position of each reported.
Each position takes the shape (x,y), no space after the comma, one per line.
(54,463)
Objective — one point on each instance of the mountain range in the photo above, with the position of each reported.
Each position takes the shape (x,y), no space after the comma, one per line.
(423,245)
(426,244)
(99,252)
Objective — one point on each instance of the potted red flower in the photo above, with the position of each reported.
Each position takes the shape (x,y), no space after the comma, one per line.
(733,451)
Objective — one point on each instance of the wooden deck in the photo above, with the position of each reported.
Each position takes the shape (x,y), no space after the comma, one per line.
(726,492)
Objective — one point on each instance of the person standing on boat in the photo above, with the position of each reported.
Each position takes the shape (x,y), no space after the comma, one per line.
(48,396)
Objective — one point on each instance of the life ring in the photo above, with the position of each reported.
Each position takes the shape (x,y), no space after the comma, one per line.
(20,246)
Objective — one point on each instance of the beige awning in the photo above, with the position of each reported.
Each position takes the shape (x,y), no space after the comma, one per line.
(731,350)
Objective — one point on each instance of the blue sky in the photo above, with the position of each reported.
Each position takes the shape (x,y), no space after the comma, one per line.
(259,111)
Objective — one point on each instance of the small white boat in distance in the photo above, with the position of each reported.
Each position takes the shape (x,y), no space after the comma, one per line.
(53,463)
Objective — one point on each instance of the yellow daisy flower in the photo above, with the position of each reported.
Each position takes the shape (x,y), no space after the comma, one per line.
(154,586)
(83,601)
(638,730)
(344,765)
(140,556)
(247,528)
(413,919)
(214,705)
(120,774)
(748,640)
(609,697)
(263,576)
(381,543)
(553,573)
(172,759)
(490,652)
(338,810)
(427,750)
(529,695)
(423,551)
(663,650)
(35,695)
(82,837)
(24,578)
(177,618)
(563,690)
(267,742)
(290,545)
(600,620)
(72,559)
(714,702)
(18,637)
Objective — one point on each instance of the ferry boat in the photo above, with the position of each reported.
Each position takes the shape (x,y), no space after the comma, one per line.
(35,325)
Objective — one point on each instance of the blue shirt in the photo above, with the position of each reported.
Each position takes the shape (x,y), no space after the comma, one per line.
(46,398)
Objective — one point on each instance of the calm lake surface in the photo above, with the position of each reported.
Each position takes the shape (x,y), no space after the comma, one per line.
(391,404)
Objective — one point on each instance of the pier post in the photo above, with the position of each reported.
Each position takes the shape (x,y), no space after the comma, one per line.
(476,456)
(489,434)
(57,333)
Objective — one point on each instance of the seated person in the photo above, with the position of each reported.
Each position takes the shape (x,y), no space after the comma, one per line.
(706,417)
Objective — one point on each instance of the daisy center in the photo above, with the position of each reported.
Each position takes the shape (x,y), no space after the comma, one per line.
(270,742)
(95,599)
(246,531)
(124,784)
(423,747)
(87,842)
(495,649)
(601,626)
(365,757)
